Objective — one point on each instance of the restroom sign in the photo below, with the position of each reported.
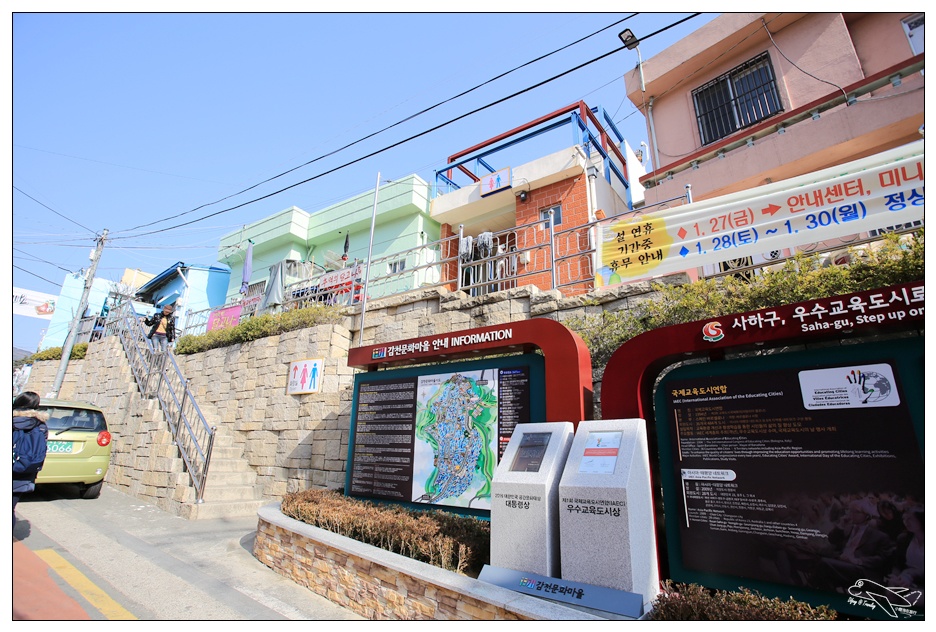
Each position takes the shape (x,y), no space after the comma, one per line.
(494,182)
(305,376)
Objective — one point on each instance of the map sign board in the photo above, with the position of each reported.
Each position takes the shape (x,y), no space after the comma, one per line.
(434,435)
(799,474)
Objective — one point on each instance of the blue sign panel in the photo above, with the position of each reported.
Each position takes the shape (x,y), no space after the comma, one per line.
(575,593)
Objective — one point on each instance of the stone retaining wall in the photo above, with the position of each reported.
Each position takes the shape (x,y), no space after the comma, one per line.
(293,442)
(380,585)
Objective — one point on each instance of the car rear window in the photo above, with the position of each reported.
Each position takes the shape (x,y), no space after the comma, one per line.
(74,419)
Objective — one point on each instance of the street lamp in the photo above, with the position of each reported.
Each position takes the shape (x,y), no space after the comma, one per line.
(631,42)
(629,39)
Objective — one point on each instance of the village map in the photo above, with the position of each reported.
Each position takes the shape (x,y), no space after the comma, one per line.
(456,439)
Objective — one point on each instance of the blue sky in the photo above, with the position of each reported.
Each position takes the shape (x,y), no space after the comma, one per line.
(121,120)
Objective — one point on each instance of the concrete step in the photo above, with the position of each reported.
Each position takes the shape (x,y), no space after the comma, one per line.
(220,478)
(232,453)
(228,465)
(209,510)
(231,493)
(223,440)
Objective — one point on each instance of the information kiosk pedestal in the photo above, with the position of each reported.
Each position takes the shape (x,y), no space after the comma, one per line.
(606,523)
(524,507)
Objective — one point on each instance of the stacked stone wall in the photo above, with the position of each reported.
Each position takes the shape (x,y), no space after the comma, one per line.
(293,442)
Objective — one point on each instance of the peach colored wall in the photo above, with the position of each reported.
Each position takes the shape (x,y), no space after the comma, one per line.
(677,133)
(880,40)
(818,43)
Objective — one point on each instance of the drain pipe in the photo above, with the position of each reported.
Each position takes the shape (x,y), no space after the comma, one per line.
(656,153)
(591,175)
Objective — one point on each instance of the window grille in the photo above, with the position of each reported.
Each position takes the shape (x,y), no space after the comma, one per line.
(255,289)
(739,98)
(877,232)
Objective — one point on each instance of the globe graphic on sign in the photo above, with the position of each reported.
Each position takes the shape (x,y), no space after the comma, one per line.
(877,386)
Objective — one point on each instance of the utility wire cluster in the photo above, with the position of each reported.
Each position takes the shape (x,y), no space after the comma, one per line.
(122,234)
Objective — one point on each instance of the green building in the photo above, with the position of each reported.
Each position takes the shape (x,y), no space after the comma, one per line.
(311,244)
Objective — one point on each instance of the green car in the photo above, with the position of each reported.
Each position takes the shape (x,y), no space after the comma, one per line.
(79,446)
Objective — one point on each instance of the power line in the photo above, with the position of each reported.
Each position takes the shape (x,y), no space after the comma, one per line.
(35,258)
(54,211)
(380,151)
(666,28)
(37,276)
(400,122)
(111,164)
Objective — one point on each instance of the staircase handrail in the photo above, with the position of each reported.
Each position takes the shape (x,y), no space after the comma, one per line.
(158,374)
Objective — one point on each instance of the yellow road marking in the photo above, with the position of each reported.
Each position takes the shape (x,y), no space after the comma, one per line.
(111,610)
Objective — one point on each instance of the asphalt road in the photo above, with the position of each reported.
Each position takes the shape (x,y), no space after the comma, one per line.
(121,558)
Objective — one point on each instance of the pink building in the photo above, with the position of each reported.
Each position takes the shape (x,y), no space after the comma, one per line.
(755,98)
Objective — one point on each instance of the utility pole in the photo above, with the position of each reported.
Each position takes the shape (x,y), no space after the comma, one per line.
(82,304)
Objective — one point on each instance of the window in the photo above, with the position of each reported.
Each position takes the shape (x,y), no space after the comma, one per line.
(255,289)
(557,216)
(913,27)
(396,266)
(738,99)
(896,228)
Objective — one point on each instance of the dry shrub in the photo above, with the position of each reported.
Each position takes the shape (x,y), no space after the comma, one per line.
(456,543)
(691,602)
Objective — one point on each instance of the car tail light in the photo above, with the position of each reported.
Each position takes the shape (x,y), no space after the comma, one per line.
(103,438)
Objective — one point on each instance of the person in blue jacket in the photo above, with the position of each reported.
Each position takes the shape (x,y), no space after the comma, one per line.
(30,434)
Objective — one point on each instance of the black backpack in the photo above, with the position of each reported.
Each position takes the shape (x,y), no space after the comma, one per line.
(29,450)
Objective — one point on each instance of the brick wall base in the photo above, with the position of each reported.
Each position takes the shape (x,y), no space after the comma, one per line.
(380,585)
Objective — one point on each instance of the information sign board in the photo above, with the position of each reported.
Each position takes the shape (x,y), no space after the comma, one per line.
(434,435)
(789,474)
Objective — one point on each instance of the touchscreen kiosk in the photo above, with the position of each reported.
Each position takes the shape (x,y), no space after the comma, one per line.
(524,514)
(606,523)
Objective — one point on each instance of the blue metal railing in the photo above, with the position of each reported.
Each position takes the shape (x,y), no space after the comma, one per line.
(581,135)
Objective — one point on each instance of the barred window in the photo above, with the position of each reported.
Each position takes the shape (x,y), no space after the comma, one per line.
(739,98)
(256,289)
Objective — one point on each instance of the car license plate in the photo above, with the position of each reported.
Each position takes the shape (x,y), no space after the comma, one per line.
(59,447)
